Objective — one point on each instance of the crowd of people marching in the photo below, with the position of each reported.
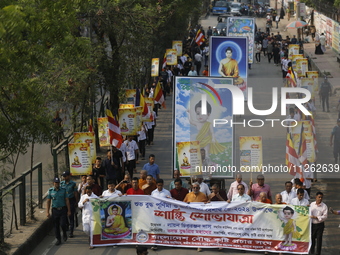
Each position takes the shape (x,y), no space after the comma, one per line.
(115,175)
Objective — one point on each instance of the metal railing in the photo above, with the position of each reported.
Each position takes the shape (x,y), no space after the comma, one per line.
(21,183)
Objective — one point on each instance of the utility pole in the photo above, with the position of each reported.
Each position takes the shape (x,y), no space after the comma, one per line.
(298,18)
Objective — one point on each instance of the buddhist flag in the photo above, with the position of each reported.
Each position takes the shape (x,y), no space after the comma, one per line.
(114,130)
(302,147)
(199,39)
(90,126)
(164,61)
(292,160)
(145,110)
(159,98)
(291,77)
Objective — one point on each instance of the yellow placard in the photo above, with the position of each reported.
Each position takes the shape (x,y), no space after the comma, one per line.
(294,58)
(103,132)
(139,110)
(80,158)
(189,158)
(293,49)
(301,67)
(178,45)
(251,157)
(127,121)
(87,137)
(171,57)
(150,103)
(126,106)
(315,76)
(310,143)
(130,96)
(308,83)
(155,67)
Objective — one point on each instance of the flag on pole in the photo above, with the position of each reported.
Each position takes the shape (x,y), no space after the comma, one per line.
(311,117)
(145,110)
(291,77)
(199,39)
(114,130)
(164,61)
(302,150)
(90,126)
(137,98)
(292,160)
(158,95)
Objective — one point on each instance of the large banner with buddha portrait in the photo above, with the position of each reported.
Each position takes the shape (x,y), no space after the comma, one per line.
(203,147)
(229,59)
(253,226)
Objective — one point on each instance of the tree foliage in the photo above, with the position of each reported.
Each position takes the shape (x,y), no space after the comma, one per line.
(46,64)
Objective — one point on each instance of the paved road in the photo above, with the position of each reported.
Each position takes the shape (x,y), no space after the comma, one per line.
(262,78)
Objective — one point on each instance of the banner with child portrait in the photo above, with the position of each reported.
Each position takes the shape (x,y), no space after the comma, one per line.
(201,145)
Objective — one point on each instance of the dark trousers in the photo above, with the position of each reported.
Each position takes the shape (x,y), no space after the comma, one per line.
(284,74)
(270,56)
(276,59)
(59,219)
(142,147)
(150,134)
(325,100)
(73,210)
(317,231)
(198,67)
(258,57)
(336,151)
(264,51)
(131,165)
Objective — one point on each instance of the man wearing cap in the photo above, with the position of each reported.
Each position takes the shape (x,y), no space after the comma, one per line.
(336,146)
(72,195)
(57,196)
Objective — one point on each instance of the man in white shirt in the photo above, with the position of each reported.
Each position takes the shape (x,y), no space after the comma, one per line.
(111,191)
(123,150)
(192,72)
(233,190)
(241,196)
(299,200)
(84,204)
(160,191)
(203,186)
(142,140)
(288,194)
(131,153)
(198,62)
(297,185)
(319,212)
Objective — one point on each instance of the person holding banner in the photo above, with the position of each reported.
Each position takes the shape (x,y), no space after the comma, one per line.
(149,186)
(255,190)
(233,190)
(319,213)
(241,196)
(160,191)
(85,204)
